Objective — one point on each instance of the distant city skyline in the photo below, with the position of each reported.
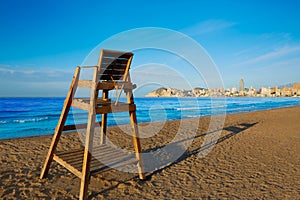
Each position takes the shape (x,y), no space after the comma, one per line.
(43,41)
(275,91)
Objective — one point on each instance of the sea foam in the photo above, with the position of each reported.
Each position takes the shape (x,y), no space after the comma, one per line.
(30,120)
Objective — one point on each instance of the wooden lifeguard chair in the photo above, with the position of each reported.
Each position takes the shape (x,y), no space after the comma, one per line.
(111,73)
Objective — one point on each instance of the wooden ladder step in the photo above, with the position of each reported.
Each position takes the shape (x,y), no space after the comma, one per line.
(120,107)
(77,126)
(103,106)
(107,85)
(104,157)
(84,103)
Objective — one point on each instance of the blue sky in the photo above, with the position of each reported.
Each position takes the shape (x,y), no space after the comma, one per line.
(41,42)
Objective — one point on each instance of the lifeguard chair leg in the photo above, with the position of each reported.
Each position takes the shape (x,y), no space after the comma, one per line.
(137,145)
(85,174)
(135,136)
(103,120)
(61,123)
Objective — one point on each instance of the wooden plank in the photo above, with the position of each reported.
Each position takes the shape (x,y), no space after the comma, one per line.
(75,162)
(114,71)
(87,101)
(105,167)
(85,83)
(78,165)
(83,99)
(68,166)
(109,77)
(71,160)
(76,156)
(111,159)
(108,160)
(116,159)
(104,101)
(104,150)
(106,61)
(95,165)
(80,104)
(112,162)
(124,56)
(101,168)
(89,138)
(72,152)
(109,154)
(116,54)
(89,66)
(117,108)
(104,147)
(77,126)
(113,66)
(107,85)
(72,157)
(115,51)
(61,123)
(74,127)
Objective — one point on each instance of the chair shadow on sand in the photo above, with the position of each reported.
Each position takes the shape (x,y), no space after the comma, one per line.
(175,147)
(162,157)
(165,161)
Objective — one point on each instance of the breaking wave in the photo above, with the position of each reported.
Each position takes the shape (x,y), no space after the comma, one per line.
(30,120)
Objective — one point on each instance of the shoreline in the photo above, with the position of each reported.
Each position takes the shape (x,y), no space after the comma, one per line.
(256,156)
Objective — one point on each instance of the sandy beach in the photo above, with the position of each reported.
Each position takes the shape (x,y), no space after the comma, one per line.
(256,157)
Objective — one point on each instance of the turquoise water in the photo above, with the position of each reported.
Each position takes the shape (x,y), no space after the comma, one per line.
(21,117)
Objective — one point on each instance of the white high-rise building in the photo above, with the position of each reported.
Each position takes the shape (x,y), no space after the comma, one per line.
(241,85)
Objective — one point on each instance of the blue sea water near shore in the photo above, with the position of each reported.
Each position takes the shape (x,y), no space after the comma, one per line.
(22,117)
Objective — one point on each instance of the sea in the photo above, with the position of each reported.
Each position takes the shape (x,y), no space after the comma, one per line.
(23,117)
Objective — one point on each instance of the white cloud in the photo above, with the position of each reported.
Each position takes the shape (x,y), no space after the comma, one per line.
(39,75)
(159,73)
(280,37)
(208,26)
(254,48)
(292,64)
(5,70)
(276,53)
(25,81)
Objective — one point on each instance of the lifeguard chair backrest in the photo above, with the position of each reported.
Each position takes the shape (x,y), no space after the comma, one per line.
(114,65)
